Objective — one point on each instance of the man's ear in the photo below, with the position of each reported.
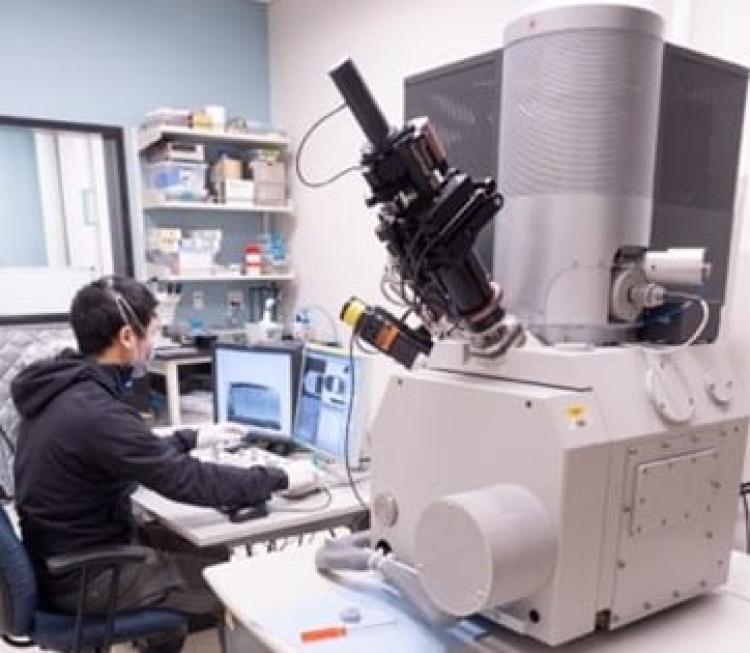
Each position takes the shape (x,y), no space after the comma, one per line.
(126,337)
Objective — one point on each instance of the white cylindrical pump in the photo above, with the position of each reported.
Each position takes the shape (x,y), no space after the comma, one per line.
(481,548)
(684,265)
(578,133)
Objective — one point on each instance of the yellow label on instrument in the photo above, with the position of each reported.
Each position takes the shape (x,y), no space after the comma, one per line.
(577,414)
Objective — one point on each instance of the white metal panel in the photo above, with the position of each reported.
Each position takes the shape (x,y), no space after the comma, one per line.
(87,241)
(49,197)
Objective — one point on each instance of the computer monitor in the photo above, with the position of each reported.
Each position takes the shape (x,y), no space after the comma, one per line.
(325,395)
(257,386)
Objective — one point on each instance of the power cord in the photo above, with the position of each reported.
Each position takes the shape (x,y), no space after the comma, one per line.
(744,491)
(705,314)
(303,142)
(323,506)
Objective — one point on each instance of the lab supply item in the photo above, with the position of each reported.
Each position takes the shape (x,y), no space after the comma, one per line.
(271,329)
(217,115)
(176,151)
(178,180)
(198,250)
(225,167)
(270,181)
(212,117)
(162,252)
(273,251)
(168,297)
(236,315)
(166,117)
(253,260)
(257,386)
(332,632)
(165,239)
(302,329)
(253,333)
(236,191)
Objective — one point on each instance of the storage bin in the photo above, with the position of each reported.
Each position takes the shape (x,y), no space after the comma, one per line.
(178,179)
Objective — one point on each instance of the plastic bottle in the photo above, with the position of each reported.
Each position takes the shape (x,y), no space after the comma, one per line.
(236,316)
(253,260)
(301,327)
(270,329)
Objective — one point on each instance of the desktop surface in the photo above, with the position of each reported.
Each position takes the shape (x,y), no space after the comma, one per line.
(204,526)
(296,598)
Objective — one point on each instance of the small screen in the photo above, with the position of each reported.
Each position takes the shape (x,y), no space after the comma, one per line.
(255,386)
(323,405)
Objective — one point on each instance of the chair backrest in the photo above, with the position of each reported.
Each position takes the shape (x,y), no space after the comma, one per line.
(21,345)
(18,594)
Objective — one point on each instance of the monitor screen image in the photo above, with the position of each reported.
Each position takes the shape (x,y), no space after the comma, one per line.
(256,386)
(323,404)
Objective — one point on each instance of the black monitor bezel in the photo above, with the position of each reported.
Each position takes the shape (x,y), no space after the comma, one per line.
(294,350)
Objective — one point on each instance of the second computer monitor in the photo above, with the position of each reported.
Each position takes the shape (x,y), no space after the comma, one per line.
(325,395)
(257,386)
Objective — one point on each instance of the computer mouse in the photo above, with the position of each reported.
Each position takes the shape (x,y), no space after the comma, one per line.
(246,513)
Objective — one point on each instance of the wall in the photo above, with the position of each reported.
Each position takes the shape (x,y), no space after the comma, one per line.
(84,60)
(89,61)
(334,248)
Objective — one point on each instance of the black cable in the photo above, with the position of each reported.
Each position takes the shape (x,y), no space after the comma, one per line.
(303,142)
(747,525)
(744,491)
(347,463)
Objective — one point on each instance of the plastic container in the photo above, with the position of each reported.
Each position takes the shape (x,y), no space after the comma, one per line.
(167,117)
(253,260)
(178,179)
(270,181)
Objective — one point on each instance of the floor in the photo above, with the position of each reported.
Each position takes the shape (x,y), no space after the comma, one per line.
(206,641)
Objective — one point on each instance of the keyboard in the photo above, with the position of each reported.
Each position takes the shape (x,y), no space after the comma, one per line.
(243,457)
(248,456)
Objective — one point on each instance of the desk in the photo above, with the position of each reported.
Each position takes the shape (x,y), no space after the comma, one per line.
(292,597)
(168,365)
(208,527)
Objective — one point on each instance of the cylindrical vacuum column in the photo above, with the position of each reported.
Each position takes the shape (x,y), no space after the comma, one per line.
(578,133)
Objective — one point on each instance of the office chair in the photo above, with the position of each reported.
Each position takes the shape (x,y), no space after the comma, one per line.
(20,616)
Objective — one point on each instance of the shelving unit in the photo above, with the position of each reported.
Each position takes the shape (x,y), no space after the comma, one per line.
(152,135)
(264,278)
(157,202)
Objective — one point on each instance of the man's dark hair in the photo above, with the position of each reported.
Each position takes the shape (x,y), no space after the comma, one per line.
(101,308)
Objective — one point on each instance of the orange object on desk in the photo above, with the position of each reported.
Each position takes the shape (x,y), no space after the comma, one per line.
(319,634)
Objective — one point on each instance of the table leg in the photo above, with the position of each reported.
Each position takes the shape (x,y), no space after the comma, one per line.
(172,380)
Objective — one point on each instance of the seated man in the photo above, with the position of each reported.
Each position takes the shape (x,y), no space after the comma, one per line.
(82,451)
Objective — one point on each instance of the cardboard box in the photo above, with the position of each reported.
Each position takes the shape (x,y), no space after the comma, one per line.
(226,168)
(236,190)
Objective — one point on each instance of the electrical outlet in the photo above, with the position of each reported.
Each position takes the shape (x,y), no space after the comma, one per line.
(199,300)
(235,298)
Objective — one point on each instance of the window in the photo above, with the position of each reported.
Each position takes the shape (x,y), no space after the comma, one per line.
(63,214)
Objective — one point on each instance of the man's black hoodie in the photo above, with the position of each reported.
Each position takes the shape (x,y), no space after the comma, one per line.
(82,451)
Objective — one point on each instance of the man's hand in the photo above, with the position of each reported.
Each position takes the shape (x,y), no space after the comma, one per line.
(226,435)
(303,479)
